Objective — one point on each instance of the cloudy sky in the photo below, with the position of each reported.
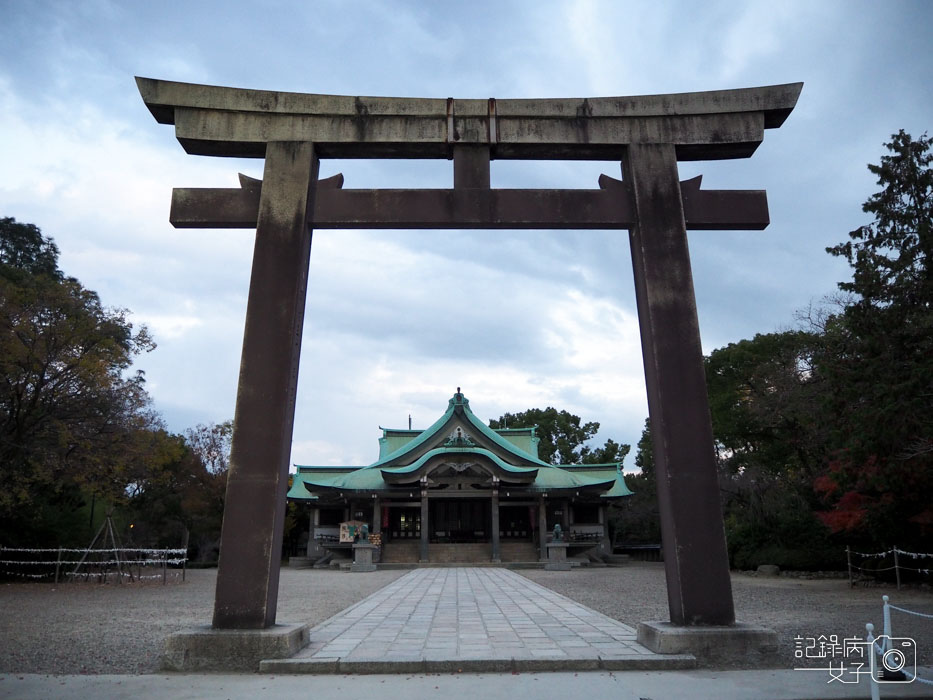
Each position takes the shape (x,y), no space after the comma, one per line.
(397,320)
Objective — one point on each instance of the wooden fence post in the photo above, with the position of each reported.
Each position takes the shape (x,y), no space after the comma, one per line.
(184,561)
(897,571)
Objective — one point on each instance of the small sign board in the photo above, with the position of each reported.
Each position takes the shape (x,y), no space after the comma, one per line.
(349,530)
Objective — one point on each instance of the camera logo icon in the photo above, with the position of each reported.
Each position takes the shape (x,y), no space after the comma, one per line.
(897,659)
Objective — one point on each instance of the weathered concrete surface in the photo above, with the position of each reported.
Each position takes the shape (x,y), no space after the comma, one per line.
(609,207)
(557,557)
(207,649)
(362,557)
(163,96)
(698,586)
(618,685)
(254,510)
(213,120)
(750,643)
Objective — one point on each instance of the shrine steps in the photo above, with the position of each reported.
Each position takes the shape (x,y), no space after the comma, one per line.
(471,554)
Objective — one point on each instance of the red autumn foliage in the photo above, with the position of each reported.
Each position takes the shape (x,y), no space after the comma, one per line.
(825,485)
(848,514)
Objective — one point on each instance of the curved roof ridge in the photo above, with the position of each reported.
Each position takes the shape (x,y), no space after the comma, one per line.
(459,400)
(420,440)
(499,440)
(414,466)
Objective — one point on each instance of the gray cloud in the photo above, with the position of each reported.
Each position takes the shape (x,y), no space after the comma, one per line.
(396,320)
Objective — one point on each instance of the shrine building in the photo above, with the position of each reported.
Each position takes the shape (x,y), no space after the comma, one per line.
(460,491)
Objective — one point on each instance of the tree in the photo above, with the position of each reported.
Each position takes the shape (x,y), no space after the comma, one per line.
(764,400)
(211,443)
(770,433)
(644,458)
(23,248)
(187,493)
(562,436)
(877,358)
(203,502)
(892,257)
(610,453)
(637,519)
(71,421)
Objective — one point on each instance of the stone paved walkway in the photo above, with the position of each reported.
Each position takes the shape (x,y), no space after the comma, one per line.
(476,619)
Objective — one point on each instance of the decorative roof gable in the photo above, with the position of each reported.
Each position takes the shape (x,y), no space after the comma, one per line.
(458,417)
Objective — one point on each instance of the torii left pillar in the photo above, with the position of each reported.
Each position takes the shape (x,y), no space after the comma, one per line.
(254,511)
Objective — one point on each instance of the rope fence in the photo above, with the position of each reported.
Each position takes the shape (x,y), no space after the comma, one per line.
(53,563)
(893,660)
(898,556)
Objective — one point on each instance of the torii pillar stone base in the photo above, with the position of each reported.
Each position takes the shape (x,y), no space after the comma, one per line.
(712,644)
(205,648)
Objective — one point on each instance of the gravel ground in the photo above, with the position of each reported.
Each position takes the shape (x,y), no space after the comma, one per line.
(87,628)
(790,606)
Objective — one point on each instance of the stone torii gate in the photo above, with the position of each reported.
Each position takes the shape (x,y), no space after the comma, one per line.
(647,134)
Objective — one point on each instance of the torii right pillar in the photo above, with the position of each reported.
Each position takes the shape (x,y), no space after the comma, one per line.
(696,560)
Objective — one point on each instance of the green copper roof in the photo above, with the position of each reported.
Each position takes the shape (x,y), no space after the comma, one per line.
(458,401)
(603,471)
(361,479)
(619,489)
(553,478)
(392,440)
(523,438)
(557,478)
(298,489)
(404,452)
(418,463)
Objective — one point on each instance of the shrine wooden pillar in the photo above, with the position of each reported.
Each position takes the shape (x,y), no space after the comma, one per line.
(377,515)
(313,549)
(542,528)
(495,554)
(423,556)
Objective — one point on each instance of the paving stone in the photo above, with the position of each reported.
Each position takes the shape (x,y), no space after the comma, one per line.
(470,619)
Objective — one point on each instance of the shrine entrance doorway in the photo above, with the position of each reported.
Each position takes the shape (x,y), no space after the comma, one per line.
(459,520)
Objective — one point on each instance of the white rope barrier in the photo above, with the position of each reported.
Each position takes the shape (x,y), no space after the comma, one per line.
(897,568)
(889,633)
(101,560)
(141,562)
(144,550)
(869,556)
(892,568)
(910,612)
(915,555)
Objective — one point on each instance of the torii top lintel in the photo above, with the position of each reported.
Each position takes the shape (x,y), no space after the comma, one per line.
(222,121)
